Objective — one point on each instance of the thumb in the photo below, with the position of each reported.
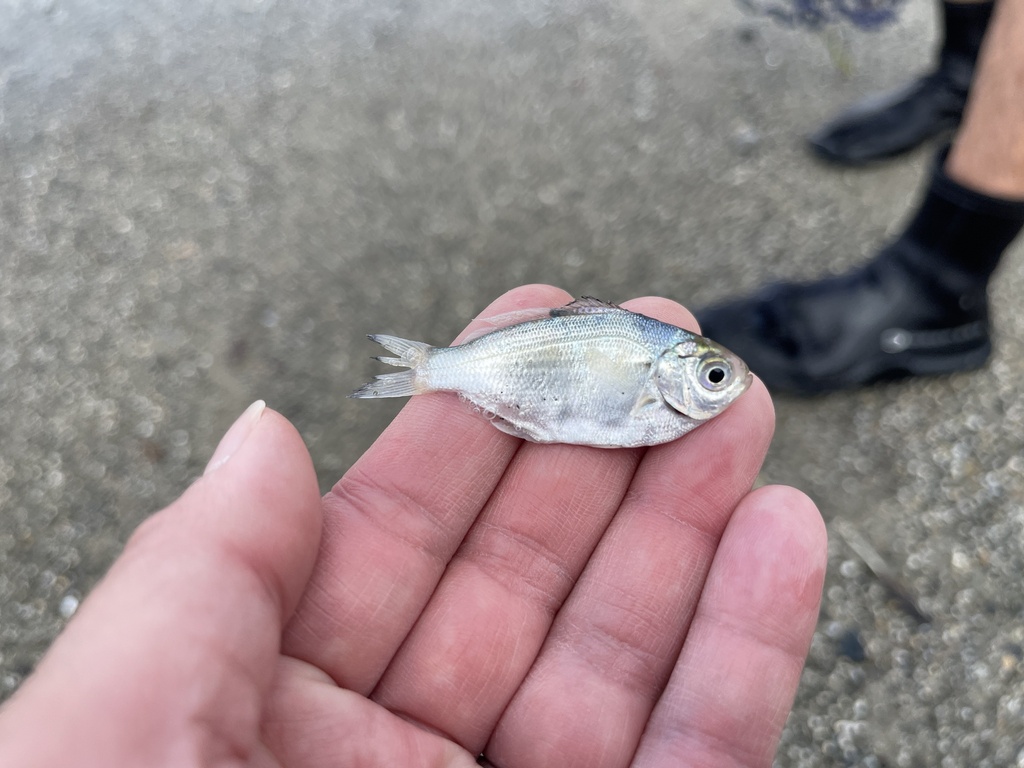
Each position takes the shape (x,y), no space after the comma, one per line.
(167,660)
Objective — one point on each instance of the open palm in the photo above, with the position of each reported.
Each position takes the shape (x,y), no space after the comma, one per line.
(545,605)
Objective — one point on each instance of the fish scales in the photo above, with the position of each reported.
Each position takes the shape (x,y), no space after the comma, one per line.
(543,358)
(589,373)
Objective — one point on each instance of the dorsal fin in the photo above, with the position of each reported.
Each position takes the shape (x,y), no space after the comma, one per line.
(586,305)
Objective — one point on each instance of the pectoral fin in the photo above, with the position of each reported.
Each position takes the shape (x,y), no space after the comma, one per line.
(646,400)
(649,394)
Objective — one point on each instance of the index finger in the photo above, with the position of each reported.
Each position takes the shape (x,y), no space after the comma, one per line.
(392,523)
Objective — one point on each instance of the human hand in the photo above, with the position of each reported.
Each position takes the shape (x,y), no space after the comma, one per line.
(545,604)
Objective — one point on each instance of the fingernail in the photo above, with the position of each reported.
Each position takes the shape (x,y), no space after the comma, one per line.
(235,436)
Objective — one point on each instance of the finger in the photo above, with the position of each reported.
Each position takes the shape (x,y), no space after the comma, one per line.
(311,722)
(587,698)
(172,652)
(394,521)
(488,617)
(730,693)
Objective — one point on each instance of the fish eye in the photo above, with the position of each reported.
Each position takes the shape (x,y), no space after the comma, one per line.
(714,373)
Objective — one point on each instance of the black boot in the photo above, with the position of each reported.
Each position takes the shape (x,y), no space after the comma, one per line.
(919,307)
(889,124)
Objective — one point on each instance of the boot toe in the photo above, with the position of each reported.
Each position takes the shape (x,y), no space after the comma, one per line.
(885,126)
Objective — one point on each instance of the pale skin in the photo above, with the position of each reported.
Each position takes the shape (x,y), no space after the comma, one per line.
(458,591)
(988,154)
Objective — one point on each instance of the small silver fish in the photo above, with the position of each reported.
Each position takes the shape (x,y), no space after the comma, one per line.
(588,373)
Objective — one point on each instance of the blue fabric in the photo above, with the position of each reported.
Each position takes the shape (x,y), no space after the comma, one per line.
(864,14)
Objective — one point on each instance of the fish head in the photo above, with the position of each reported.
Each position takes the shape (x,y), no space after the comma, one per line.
(699,378)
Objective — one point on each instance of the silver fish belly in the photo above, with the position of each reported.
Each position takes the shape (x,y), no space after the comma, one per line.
(589,373)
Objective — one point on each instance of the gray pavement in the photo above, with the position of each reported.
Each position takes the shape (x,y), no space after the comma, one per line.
(206,203)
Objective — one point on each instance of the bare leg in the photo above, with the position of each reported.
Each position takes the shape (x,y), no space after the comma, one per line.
(988,155)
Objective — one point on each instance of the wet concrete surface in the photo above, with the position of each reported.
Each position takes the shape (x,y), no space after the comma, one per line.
(204,204)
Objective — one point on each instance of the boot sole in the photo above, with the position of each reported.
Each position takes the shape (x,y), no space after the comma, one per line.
(900,366)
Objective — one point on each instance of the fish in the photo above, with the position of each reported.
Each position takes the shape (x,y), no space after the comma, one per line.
(589,373)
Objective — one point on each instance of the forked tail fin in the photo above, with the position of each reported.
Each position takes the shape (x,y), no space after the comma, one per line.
(411,354)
